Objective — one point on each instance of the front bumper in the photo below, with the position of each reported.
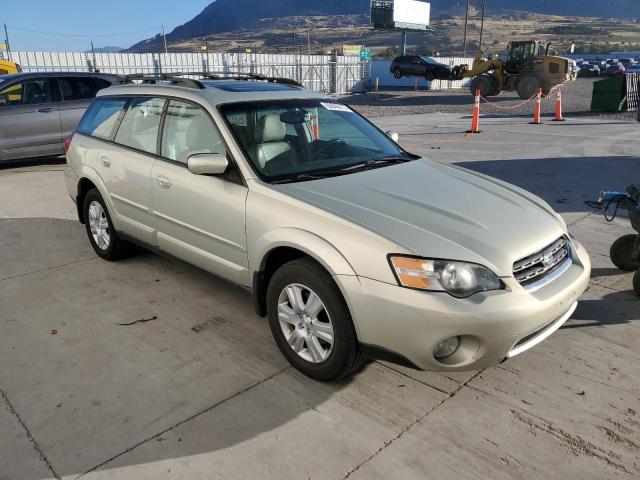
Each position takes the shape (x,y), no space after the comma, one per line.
(492,325)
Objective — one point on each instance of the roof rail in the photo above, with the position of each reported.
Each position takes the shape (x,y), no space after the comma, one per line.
(177,78)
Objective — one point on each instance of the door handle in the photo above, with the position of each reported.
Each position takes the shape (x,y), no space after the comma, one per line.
(105,161)
(45,110)
(164,182)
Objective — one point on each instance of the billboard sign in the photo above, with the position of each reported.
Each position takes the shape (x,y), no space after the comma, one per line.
(351,49)
(413,13)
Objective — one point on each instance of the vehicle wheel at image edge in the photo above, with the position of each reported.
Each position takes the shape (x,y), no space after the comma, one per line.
(636,282)
(310,321)
(620,253)
(397,73)
(102,235)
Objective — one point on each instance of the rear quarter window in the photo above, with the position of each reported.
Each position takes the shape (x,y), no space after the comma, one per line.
(102,118)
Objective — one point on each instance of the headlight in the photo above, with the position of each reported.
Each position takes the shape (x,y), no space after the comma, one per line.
(460,279)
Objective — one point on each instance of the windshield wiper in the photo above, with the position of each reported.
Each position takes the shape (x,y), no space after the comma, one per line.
(303,177)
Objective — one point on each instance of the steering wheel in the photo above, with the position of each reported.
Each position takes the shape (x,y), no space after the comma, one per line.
(330,143)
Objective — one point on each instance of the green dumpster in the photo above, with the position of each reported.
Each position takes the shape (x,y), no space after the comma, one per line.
(609,95)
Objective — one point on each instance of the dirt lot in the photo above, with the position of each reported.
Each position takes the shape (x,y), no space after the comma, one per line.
(576,101)
(149,369)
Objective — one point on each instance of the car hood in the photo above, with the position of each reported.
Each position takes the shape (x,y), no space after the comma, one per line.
(439,211)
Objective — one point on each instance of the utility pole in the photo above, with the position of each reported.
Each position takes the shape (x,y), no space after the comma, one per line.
(482,25)
(466,23)
(309,40)
(294,40)
(166,50)
(6,37)
(93,57)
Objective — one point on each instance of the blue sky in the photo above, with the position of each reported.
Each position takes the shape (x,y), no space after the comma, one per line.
(106,22)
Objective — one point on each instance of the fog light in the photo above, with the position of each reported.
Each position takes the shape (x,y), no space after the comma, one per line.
(446,348)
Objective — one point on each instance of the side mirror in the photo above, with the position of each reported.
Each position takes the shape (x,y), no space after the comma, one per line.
(393,136)
(208,163)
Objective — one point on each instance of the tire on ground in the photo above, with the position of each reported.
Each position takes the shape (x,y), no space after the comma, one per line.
(620,253)
(117,248)
(527,87)
(397,73)
(484,83)
(345,356)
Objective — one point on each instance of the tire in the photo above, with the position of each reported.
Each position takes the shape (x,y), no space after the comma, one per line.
(636,282)
(620,253)
(527,87)
(430,76)
(338,358)
(104,240)
(484,83)
(397,73)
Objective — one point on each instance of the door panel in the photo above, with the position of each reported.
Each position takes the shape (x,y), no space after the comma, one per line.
(201,219)
(30,121)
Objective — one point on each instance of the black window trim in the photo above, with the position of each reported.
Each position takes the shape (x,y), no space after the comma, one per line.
(233,165)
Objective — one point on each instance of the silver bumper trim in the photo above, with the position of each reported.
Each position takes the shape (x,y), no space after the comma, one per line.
(543,334)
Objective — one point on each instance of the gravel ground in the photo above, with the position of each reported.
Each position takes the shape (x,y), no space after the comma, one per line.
(576,101)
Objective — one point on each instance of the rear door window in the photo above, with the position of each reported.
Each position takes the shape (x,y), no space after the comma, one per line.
(78,88)
(188,130)
(140,125)
(102,118)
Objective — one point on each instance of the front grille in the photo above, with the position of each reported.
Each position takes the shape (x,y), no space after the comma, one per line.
(536,267)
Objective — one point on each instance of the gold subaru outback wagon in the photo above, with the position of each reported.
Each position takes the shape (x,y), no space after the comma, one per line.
(352,247)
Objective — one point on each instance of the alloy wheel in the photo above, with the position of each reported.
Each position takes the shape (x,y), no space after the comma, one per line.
(99,225)
(305,323)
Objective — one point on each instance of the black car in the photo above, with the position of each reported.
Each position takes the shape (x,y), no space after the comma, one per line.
(420,66)
(588,70)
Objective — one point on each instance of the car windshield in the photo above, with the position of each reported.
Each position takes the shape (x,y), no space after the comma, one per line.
(307,139)
(430,60)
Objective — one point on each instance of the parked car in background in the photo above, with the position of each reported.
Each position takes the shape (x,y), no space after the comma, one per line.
(615,69)
(635,68)
(419,66)
(588,70)
(627,61)
(39,110)
(351,246)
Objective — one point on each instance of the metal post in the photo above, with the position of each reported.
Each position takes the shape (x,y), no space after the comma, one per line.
(309,40)
(466,23)
(164,36)
(93,57)
(403,44)
(294,40)
(482,24)
(6,37)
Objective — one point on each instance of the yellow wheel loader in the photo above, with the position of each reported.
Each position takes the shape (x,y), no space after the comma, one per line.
(528,67)
(7,67)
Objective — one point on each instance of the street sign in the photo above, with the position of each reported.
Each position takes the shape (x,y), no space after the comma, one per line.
(351,49)
(365,54)
(3,46)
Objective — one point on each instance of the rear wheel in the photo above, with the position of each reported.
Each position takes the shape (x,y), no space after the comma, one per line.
(397,73)
(102,235)
(430,76)
(621,253)
(636,282)
(484,83)
(310,321)
(527,87)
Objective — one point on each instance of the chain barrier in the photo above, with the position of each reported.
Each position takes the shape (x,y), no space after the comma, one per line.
(521,104)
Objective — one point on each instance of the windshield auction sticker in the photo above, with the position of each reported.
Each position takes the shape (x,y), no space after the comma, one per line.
(336,107)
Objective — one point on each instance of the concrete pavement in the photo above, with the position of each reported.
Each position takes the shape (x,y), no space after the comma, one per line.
(151,369)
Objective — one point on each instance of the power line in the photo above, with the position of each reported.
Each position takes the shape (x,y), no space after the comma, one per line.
(83,35)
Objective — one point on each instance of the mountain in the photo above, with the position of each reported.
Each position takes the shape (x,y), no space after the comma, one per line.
(232,15)
(108,49)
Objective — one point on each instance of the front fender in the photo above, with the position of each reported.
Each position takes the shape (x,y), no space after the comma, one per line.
(308,242)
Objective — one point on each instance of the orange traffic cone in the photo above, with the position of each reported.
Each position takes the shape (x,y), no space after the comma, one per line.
(537,111)
(475,118)
(559,107)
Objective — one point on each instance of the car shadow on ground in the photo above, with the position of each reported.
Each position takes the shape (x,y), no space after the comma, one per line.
(32,162)
(615,308)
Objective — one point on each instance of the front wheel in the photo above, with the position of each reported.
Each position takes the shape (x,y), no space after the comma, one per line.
(397,73)
(527,87)
(621,253)
(310,321)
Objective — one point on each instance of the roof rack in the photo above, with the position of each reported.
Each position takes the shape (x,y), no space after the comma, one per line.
(177,78)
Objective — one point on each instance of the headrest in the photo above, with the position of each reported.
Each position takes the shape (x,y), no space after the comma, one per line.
(270,129)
